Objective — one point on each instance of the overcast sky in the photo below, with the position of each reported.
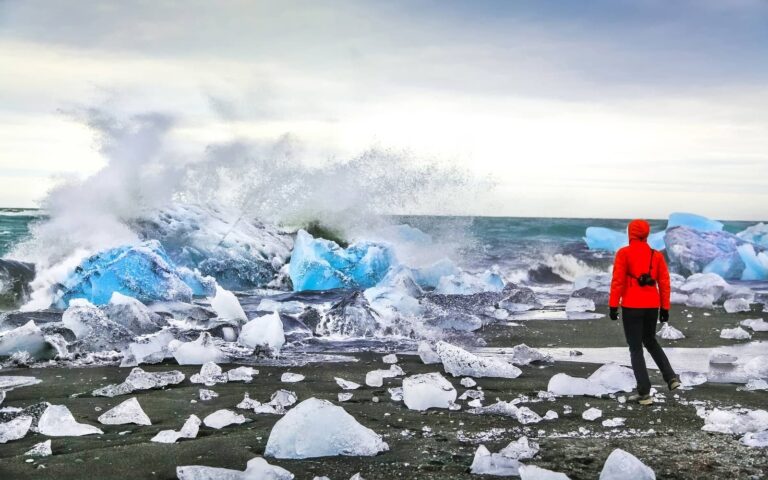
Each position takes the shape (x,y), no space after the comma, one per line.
(610,108)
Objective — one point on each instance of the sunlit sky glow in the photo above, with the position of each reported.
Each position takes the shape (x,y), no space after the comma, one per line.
(609,108)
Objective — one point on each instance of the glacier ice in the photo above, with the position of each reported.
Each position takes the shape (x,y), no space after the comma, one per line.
(522,354)
(152,348)
(691,251)
(282,399)
(614,422)
(427,355)
(131,314)
(141,271)
(592,414)
(429,276)
(734,305)
(318,428)
(691,379)
(396,394)
(464,283)
(519,299)
(42,449)
(375,378)
(601,238)
(428,390)
(736,421)
(288,308)
(222,418)
(210,374)
(621,465)
(205,394)
(521,449)
(188,430)
(127,412)
(459,362)
(289,377)
(391,358)
(26,338)
(397,294)
(756,384)
(256,469)
(609,378)
(227,307)
(487,463)
(737,333)
(352,316)
(94,331)
(319,264)
(9,382)
(696,222)
(668,332)
(241,374)
(755,440)
(57,421)
(265,332)
(138,379)
(755,263)
(346,384)
(756,324)
(757,234)
(344,396)
(468,382)
(532,472)
(757,367)
(575,304)
(15,429)
(197,352)
(524,415)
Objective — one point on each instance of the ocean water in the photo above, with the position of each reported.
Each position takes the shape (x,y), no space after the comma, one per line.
(14,226)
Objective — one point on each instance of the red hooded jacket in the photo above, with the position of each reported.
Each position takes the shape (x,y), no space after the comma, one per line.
(631,262)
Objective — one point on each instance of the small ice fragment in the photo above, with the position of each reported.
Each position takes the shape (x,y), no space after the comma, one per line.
(256,469)
(669,332)
(427,354)
(576,304)
(468,382)
(551,415)
(476,403)
(242,374)
(188,430)
(459,362)
(592,414)
(42,449)
(487,463)
(756,440)
(346,384)
(532,472)
(521,449)
(621,465)
(127,412)
(391,358)
(15,429)
(737,333)
(428,390)
(614,422)
(756,324)
(282,399)
(210,374)
(344,396)
(57,421)
(396,394)
(222,418)
(524,355)
(206,394)
(248,403)
(318,428)
(288,377)
(735,305)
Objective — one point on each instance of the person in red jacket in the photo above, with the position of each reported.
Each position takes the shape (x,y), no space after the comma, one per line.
(640,284)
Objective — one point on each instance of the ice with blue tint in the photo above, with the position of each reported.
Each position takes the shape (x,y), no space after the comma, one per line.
(319,264)
(600,238)
(755,264)
(696,222)
(467,284)
(430,275)
(141,271)
(757,234)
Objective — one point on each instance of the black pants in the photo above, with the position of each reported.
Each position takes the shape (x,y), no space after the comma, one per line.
(640,330)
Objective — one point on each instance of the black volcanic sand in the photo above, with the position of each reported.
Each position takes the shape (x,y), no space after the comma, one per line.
(666,436)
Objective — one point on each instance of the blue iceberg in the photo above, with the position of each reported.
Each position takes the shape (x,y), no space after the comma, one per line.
(600,238)
(429,276)
(141,271)
(755,264)
(757,234)
(696,222)
(319,264)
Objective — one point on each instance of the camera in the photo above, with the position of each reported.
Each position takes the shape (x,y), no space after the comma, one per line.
(645,280)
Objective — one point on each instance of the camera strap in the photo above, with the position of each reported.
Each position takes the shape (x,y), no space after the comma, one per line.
(650,267)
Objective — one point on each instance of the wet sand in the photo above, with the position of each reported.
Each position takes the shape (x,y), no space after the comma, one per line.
(675,448)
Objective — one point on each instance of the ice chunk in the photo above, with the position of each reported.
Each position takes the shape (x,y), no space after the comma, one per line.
(142,271)
(691,379)
(318,264)
(256,469)
(147,349)
(551,415)
(614,422)
(242,374)
(464,283)
(756,324)
(430,276)
(755,440)
(396,394)
(757,367)
(227,307)
(138,379)
(592,414)
(188,430)
(248,403)
(204,394)
(459,362)
(757,234)
(15,429)
(265,332)
(755,263)
(669,332)
(721,357)
(532,472)
(427,354)
(428,390)
(352,316)
(756,384)
(621,465)
(691,251)
(288,377)
(523,415)
(198,352)
(600,238)
(282,399)
(519,299)
(521,449)
(26,338)
(468,382)
(131,314)
(346,384)
(343,396)
(9,382)
(94,331)
(696,222)
(734,305)
(524,355)
(576,304)
(127,412)
(391,358)
(57,421)
(396,295)
(222,418)
(42,449)
(376,378)
(609,378)
(737,333)
(317,428)
(210,374)
(735,422)
(487,463)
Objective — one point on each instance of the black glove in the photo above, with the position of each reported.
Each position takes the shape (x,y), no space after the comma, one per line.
(614,313)
(663,315)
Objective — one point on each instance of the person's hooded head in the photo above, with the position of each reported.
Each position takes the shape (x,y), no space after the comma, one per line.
(638,230)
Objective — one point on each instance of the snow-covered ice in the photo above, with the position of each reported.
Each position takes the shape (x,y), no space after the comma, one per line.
(318,428)
(428,390)
(459,362)
(57,421)
(621,465)
(755,440)
(222,418)
(127,412)
(242,374)
(188,430)
(256,469)
(264,332)
(614,422)
(468,382)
